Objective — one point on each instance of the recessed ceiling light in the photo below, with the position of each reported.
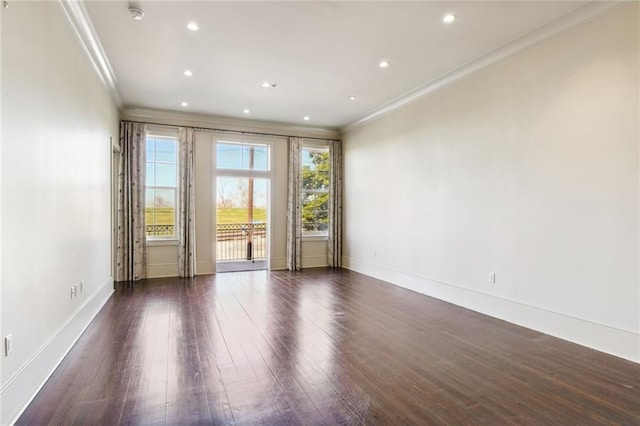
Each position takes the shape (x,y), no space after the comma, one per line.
(193,26)
(268,85)
(384,64)
(246,111)
(188,73)
(306,118)
(136,13)
(449,18)
(352,98)
(184,104)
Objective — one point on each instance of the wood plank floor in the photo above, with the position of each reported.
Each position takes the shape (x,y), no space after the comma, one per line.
(322,347)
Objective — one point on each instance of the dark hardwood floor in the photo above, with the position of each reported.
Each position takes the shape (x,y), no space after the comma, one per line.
(322,347)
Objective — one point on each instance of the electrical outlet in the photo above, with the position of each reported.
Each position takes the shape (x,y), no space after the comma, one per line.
(73,292)
(492,278)
(8,345)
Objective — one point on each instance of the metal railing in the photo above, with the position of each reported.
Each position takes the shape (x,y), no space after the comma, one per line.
(160,230)
(234,241)
(241,241)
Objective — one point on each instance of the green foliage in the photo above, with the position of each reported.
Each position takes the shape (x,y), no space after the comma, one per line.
(315,195)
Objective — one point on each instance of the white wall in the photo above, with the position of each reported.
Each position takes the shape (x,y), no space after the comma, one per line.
(57,118)
(528,169)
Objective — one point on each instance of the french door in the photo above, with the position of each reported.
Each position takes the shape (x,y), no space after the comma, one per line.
(242,206)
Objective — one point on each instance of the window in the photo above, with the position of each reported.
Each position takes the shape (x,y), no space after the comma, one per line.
(236,156)
(315,191)
(161,187)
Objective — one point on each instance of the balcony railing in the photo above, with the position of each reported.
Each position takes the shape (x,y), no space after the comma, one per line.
(241,241)
(160,230)
(232,239)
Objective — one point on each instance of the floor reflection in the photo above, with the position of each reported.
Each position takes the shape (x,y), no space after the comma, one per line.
(321,347)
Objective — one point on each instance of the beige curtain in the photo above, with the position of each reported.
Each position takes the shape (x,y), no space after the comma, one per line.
(335,205)
(186,203)
(131,244)
(294,213)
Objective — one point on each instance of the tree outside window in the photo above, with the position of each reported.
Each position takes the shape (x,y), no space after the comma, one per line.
(315,191)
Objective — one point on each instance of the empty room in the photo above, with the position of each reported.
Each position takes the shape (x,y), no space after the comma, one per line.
(320,212)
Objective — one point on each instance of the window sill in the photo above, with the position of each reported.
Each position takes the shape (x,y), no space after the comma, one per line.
(315,238)
(161,243)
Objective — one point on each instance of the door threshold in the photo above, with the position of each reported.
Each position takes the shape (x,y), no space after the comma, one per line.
(241,265)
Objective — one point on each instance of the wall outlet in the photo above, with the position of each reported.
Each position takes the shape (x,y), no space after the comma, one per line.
(8,345)
(73,291)
(492,278)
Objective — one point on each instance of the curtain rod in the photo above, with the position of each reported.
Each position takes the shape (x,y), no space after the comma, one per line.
(242,132)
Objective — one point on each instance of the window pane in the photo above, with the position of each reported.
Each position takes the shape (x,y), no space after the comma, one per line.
(149,211)
(151,144)
(166,175)
(151,175)
(166,151)
(307,161)
(229,156)
(165,199)
(261,158)
(315,180)
(238,156)
(161,216)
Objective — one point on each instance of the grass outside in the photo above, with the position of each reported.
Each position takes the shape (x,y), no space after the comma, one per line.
(236,215)
(166,216)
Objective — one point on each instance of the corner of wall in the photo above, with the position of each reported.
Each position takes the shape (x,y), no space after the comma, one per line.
(18,392)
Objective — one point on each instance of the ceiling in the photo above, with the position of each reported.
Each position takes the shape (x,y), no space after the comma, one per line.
(317,53)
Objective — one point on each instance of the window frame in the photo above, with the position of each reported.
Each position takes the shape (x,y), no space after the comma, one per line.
(321,147)
(164,133)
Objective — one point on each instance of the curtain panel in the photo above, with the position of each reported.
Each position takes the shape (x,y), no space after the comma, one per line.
(131,236)
(294,213)
(186,203)
(335,205)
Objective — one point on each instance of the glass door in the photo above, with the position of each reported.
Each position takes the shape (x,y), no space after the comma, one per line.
(241,207)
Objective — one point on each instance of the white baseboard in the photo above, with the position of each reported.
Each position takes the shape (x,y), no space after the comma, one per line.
(604,338)
(23,386)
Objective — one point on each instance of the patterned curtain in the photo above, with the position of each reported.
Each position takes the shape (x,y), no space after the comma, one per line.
(294,213)
(131,246)
(335,205)
(186,203)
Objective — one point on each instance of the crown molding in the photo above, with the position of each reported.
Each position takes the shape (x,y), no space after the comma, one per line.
(213,122)
(81,23)
(579,16)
